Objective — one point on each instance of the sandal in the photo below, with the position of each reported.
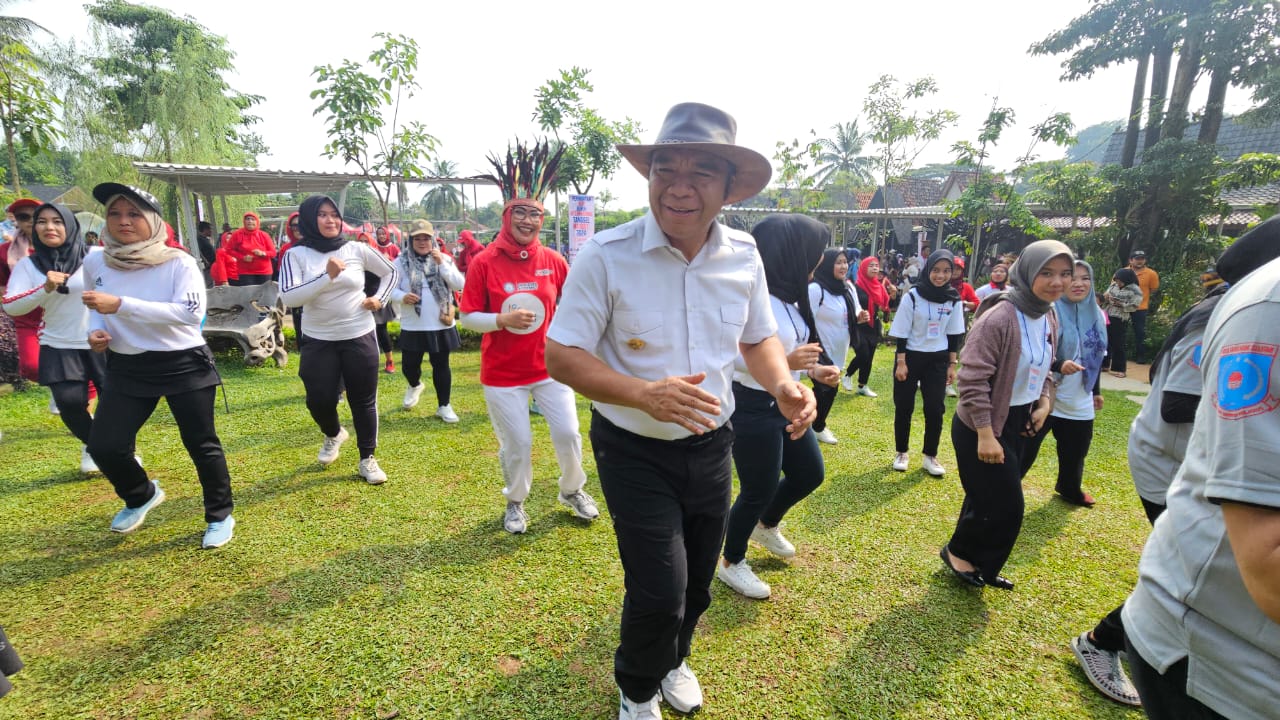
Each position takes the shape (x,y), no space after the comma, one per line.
(1084,499)
(1118,375)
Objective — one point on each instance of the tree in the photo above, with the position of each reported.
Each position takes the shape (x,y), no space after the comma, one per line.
(843,154)
(27,108)
(14,28)
(589,148)
(797,188)
(1073,189)
(1091,143)
(443,201)
(357,103)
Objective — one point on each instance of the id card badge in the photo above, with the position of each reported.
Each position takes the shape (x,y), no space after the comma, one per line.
(1035,379)
(933,330)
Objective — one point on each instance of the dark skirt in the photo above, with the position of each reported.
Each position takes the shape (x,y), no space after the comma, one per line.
(430,341)
(157,373)
(70,365)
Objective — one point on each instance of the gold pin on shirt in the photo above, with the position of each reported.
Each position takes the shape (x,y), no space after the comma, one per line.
(635,344)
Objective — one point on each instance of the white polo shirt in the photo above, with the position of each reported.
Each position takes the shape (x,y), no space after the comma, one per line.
(635,302)
(925,324)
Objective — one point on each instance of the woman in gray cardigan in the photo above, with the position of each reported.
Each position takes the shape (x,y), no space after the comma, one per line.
(1005,396)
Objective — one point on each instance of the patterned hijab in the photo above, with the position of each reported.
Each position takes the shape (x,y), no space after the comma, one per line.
(1083,328)
(145,253)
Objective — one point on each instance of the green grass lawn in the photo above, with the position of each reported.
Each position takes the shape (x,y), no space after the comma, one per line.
(342,600)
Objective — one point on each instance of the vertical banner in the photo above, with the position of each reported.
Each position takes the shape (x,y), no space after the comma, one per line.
(582,223)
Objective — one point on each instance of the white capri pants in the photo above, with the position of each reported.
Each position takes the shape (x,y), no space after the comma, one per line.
(509,413)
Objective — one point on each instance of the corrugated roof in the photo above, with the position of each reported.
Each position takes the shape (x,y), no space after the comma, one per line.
(1234,140)
(1250,196)
(228,180)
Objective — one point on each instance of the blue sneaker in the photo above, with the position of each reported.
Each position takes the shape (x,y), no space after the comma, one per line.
(219,533)
(128,519)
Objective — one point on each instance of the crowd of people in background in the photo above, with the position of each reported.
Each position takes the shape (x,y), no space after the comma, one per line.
(693,379)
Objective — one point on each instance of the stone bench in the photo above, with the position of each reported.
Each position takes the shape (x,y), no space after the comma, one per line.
(253,316)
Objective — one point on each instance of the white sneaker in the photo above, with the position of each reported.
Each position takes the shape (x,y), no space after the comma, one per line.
(743,581)
(53,408)
(770,538)
(329,448)
(446,413)
(900,462)
(370,471)
(826,437)
(412,394)
(681,690)
(846,382)
(87,465)
(865,391)
(933,467)
(951,391)
(514,520)
(629,709)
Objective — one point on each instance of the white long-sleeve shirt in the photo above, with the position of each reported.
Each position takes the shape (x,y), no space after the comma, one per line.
(161,306)
(429,319)
(66,319)
(333,305)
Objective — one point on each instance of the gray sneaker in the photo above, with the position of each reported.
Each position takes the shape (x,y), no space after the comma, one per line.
(128,519)
(1104,670)
(515,521)
(581,504)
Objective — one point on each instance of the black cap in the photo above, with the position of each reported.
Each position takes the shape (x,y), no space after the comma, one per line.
(105,191)
(1137,253)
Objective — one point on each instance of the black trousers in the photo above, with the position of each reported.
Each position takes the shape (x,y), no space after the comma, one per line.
(1164,697)
(864,341)
(1115,345)
(384,337)
(774,471)
(1139,320)
(1073,438)
(441,374)
(71,396)
(115,429)
(669,500)
(328,366)
(825,395)
(928,371)
(991,515)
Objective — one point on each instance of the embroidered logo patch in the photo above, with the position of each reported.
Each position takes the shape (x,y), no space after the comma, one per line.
(1244,380)
(527,286)
(509,287)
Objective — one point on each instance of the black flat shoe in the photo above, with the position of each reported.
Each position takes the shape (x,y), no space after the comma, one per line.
(971,577)
(1000,581)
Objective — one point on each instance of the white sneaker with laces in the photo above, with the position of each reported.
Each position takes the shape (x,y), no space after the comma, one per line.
(865,391)
(681,690)
(743,580)
(771,539)
(933,467)
(87,465)
(826,437)
(329,448)
(514,520)
(412,394)
(370,471)
(900,462)
(582,505)
(629,709)
(951,391)
(846,382)
(446,413)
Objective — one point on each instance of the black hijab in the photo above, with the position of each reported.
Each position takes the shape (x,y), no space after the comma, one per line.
(790,246)
(66,257)
(1251,251)
(309,226)
(826,279)
(925,287)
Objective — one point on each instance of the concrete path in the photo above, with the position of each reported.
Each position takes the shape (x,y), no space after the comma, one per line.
(1135,384)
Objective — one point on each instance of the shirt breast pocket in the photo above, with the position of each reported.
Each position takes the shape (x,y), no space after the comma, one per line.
(638,331)
(733,320)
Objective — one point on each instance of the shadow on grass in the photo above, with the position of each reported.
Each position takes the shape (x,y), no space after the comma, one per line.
(1039,528)
(841,497)
(904,654)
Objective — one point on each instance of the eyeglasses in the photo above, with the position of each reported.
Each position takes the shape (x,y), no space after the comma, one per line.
(22,216)
(525,213)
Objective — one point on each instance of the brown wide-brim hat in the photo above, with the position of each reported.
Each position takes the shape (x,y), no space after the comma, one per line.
(695,126)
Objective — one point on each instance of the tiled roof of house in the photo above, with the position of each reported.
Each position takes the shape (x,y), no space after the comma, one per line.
(1234,140)
(909,192)
(1257,195)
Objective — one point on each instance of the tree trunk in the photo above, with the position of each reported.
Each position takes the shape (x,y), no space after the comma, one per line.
(1175,122)
(1130,150)
(13,162)
(1160,64)
(1214,105)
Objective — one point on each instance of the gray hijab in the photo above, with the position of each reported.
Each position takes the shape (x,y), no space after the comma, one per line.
(1023,274)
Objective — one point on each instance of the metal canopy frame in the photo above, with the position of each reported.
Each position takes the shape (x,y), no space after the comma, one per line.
(924,212)
(221,181)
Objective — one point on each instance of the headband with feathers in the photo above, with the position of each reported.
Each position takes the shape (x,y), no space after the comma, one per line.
(528,173)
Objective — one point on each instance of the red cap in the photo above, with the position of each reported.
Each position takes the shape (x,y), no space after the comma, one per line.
(959,262)
(23,202)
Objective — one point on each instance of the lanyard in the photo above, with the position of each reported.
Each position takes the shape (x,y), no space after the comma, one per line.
(1044,342)
(794,329)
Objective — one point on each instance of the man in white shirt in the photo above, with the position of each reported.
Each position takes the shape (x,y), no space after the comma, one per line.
(652,316)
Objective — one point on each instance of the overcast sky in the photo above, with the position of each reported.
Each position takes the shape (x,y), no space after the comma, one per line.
(780,69)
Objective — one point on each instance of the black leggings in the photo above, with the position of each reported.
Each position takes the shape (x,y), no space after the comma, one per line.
(991,516)
(72,400)
(774,471)
(384,337)
(826,397)
(1074,438)
(441,375)
(1115,345)
(865,340)
(928,370)
(1164,697)
(119,419)
(329,365)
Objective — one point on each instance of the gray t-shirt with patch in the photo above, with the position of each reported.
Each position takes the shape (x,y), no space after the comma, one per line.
(1156,447)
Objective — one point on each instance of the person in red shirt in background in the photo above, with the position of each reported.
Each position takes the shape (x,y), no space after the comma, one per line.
(292,232)
(253,250)
(510,295)
(225,270)
(968,298)
(468,249)
(26,326)
(385,314)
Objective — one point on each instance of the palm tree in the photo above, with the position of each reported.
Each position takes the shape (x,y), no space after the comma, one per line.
(843,154)
(443,201)
(15,29)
